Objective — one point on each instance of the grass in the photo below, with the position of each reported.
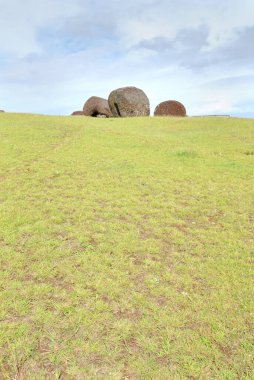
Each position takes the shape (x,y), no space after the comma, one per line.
(126,248)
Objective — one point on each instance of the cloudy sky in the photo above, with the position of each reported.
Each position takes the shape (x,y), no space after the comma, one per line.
(54,54)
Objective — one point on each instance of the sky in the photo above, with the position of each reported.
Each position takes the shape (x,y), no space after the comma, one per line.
(55,54)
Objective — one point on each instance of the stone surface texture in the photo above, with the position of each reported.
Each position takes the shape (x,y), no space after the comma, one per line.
(170,108)
(129,101)
(97,107)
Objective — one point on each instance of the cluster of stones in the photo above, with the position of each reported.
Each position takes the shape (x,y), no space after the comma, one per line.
(128,102)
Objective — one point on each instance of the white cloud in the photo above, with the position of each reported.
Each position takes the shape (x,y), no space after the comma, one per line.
(57,53)
(20,20)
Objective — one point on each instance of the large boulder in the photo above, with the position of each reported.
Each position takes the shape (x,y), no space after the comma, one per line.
(170,108)
(97,107)
(77,113)
(129,101)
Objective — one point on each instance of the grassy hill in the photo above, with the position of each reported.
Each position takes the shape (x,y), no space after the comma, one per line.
(126,248)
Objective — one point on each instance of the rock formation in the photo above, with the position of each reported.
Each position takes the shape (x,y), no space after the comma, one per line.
(96,107)
(77,113)
(1,111)
(170,108)
(129,101)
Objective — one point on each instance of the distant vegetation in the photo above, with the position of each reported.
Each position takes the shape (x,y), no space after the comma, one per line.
(126,248)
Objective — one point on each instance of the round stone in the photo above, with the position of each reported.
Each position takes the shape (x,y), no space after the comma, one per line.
(170,108)
(129,101)
(97,107)
(77,113)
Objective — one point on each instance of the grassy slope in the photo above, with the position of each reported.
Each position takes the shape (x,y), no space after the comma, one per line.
(125,248)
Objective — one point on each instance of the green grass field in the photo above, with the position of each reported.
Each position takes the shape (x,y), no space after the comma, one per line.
(126,248)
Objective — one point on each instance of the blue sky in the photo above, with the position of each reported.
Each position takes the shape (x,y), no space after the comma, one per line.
(55,54)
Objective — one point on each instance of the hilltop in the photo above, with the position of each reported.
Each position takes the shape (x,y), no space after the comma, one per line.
(126,248)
